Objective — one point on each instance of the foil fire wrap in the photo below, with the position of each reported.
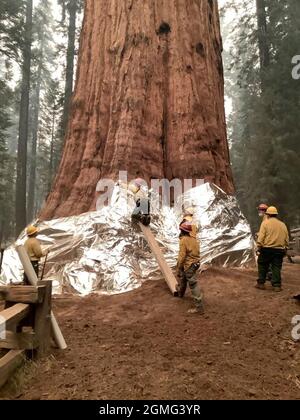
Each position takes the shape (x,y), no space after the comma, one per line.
(104,252)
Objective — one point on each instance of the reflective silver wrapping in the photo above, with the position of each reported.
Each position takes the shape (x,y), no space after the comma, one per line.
(103,252)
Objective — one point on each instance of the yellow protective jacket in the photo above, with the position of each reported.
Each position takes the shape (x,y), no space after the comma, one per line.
(273,234)
(33,249)
(265,217)
(189,252)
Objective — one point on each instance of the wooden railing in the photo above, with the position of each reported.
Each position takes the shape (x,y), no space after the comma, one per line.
(25,325)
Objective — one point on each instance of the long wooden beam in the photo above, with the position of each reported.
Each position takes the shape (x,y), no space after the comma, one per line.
(13,315)
(9,363)
(19,341)
(157,252)
(22,294)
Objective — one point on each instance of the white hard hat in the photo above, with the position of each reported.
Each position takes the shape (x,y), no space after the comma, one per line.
(189,211)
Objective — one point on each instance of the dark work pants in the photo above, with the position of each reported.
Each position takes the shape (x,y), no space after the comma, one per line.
(270,257)
(189,277)
(141,213)
(35,265)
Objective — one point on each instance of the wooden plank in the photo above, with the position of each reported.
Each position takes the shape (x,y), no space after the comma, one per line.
(21,294)
(11,316)
(9,363)
(42,322)
(19,341)
(165,269)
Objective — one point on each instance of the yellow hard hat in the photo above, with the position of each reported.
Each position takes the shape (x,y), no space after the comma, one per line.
(272,211)
(31,230)
(133,188)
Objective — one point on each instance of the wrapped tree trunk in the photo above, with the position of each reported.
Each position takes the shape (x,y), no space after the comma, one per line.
(149,99)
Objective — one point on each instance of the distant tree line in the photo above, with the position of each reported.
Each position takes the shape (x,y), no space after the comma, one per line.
(37,61)
(264,124)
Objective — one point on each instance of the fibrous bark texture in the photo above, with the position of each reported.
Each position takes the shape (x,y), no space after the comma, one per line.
(149,99)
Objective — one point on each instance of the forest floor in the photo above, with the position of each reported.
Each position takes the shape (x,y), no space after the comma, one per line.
(144,344)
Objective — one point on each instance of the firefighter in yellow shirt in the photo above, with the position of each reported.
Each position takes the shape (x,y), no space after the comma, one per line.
(272,244)
(262,208)
(34,250)
(188,264)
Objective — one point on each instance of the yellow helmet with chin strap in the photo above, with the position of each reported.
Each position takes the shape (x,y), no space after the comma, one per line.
(133,188)
(272,211)
(136,184)
(31,230)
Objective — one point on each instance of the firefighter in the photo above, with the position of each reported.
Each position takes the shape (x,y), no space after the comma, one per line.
(272,244)
(262,208)
(188,264)
(34,250)
(141,213)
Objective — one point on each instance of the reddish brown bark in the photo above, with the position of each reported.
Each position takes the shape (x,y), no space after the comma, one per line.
(149,99)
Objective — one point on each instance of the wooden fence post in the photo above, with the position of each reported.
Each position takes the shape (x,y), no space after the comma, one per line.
(42,319)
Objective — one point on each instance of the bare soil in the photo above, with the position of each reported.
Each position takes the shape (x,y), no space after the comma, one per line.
(144,344)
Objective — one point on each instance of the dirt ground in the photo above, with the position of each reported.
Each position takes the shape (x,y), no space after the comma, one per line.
(144,344)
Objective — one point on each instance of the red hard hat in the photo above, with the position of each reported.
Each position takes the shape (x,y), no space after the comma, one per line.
(263,207)
(186,227)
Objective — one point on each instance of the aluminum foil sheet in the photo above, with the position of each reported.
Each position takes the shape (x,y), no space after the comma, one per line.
(103,252)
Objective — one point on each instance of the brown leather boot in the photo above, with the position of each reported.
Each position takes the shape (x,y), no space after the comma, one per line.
(197,310)
(260,286)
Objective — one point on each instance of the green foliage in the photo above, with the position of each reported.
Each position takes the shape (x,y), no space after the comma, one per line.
(50,144)
(6,162)
(11,27)
(264,124)
(11,39)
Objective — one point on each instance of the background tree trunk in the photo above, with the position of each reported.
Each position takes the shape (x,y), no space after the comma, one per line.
(149,99)
(23,125)
(51,162)
(263,44)
(72,8)
(35,128)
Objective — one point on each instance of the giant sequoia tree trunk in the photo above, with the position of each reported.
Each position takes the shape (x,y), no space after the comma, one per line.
(149,99)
